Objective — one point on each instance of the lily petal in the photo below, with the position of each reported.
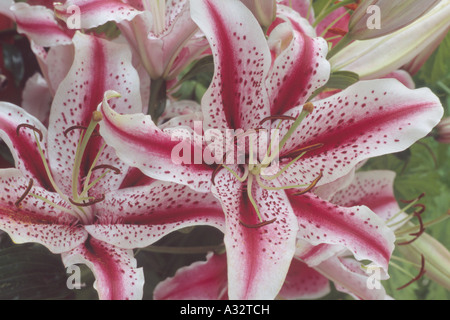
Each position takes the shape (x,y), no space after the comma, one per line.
(138,217)
(258,258)
(314,255)
(373,189)
(402,76)
(94,13)
(356,228)
(236,98)
(117,277)
(23,146)
(303,282)
(350,278)
(99,66)
(368,119)
(39,24)
(300,69)
(140,143)
(5,8)
(35,220)
(202,280)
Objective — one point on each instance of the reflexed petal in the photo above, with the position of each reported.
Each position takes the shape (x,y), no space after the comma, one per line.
(115,271)
(236,97)
(402,76)
(99,66)
(35,220)
(369,119)
(256,254)
(138,217)
(203,280)
(374,189)
(23,146)
(300,69)
(39,24)
(5,6)
(303,282)
(140,143)
(94,13)
(349,277)
(314,255)
(356,228)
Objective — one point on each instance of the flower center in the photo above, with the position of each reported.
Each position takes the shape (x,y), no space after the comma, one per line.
(268,169)
(158,10)
(80,202)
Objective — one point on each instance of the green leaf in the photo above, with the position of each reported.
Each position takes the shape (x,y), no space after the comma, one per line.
(437,67)
(201,67)
(342,80)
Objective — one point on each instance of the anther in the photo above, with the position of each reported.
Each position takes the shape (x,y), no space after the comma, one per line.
(27,191)
(295,153)
(338,31)
(414,200)
(352,6)
(276,118)
(107,166)
(311,186)
(95,134)
(25,125)
(97,116)
(421,273)
(87,204)
(416,235)
(308,107)
(259,225)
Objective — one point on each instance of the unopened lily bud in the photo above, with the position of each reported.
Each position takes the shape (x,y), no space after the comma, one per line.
(264,10)
(368,58)
(437,258)
(376,18)
(443,131)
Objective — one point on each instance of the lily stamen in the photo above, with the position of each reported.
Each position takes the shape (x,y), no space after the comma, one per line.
(107,166)
(276,118)
(296,153)
(416,235)
(66,132)
(416,278)
(87,204)
(26,192)
(29,126)
(259,225)
(311,186)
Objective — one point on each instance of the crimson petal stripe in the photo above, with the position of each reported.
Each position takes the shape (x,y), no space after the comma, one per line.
(236,98)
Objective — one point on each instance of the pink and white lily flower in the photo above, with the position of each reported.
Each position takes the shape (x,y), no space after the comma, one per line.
(69,191)
(265,212)
(160,32)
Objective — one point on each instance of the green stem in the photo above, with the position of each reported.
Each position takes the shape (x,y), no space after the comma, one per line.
(158,98)
(340,45)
